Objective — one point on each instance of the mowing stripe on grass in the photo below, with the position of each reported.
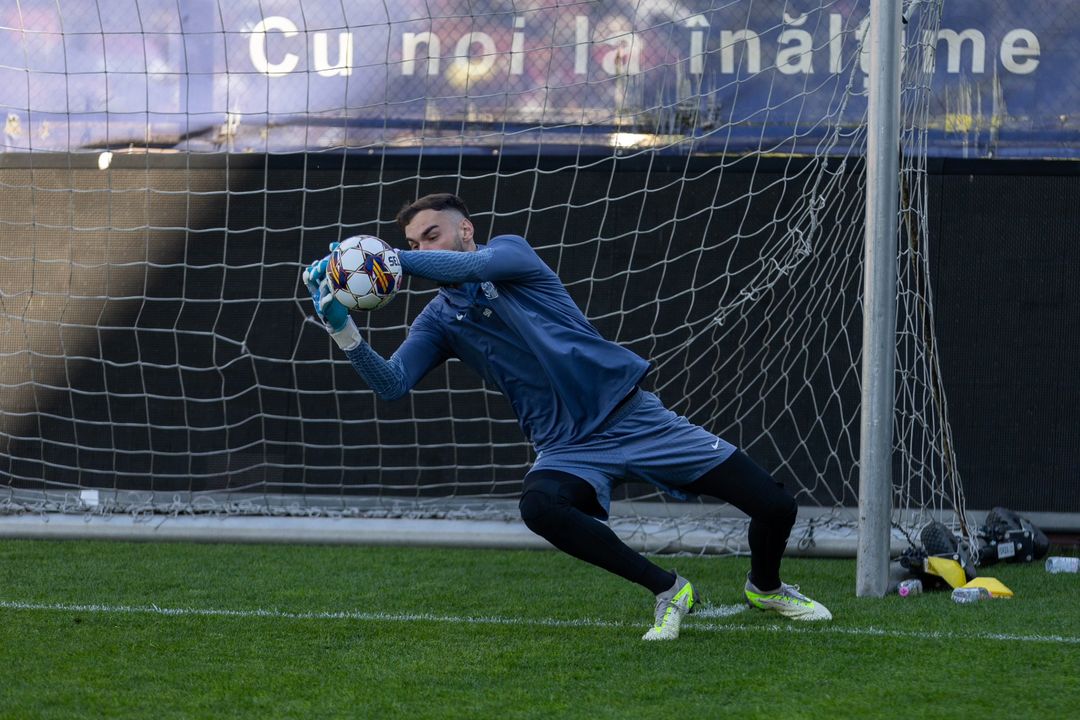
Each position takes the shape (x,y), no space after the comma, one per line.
(713,611)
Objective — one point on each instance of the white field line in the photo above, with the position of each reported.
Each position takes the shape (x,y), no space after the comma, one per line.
(691,624)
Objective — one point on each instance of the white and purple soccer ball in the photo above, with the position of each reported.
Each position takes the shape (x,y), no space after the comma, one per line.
(364,273)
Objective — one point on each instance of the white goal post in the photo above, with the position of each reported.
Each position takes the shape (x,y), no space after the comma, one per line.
(702,176)
(879,299)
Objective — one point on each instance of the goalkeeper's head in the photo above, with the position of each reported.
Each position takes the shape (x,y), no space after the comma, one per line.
(437,222)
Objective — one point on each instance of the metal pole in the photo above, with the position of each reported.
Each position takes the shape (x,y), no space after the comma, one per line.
(879,299)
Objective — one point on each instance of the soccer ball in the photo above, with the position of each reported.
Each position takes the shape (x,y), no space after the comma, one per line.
(364,273)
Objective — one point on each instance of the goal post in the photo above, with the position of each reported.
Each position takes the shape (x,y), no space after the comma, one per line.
(703,179)
(879,304)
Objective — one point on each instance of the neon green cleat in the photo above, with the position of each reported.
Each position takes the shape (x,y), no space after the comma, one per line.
(786,600)
(671,606)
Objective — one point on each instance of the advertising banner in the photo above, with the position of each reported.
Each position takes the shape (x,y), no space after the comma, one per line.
(695,76)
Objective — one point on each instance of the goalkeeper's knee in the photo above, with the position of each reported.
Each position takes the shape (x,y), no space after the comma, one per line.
(551,499)
(539,510)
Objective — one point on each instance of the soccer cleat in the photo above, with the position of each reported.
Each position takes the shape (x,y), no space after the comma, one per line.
(671,606)
(786,600)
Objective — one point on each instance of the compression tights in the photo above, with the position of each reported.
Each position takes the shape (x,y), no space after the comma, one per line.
(562,508)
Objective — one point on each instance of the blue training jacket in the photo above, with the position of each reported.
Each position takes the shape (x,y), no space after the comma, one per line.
(511,320)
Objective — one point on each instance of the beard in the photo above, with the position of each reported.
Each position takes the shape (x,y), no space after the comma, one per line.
(459,242)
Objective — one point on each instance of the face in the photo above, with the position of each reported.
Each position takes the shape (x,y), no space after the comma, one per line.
(440,230)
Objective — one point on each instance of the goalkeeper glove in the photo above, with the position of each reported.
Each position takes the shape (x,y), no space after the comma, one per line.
(333,314)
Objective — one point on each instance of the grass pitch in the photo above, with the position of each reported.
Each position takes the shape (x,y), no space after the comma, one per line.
(128,630)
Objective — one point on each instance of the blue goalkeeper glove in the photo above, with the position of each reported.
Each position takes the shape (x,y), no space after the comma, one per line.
(330,311)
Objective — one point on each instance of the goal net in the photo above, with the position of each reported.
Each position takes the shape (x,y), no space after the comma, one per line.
(694,171)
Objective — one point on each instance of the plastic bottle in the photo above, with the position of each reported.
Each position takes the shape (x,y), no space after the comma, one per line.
(909,587)
(1062,564)
(964,595)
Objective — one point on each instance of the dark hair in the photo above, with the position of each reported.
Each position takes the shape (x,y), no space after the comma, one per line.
(435,201)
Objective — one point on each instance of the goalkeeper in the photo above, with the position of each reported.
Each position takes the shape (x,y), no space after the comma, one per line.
(577,397)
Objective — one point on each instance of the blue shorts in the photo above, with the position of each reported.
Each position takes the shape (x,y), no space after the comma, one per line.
(642,441)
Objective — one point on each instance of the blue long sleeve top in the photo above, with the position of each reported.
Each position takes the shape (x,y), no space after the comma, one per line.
(508,317)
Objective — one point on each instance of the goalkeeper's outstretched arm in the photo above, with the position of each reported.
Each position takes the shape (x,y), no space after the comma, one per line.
(508,257)
(447,266)
(385,377)
(393,378)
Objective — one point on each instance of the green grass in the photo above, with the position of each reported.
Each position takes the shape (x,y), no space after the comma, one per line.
(913,657)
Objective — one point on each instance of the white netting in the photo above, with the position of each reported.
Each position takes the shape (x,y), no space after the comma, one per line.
(692,170)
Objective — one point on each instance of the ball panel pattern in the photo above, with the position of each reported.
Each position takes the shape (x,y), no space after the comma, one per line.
(364,272)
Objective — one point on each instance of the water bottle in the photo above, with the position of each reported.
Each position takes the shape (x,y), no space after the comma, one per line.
(1062,564)
(909,587)
(965,595)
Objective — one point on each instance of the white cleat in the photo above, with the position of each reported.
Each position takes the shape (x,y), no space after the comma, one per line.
(788,601)
(671,606)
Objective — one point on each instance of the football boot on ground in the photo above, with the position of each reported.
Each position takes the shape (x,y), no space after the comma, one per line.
(671,606)
(786,600)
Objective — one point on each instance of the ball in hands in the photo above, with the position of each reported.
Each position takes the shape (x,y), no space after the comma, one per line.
(364,273)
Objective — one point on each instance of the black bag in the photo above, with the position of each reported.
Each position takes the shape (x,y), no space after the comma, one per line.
(1010,537)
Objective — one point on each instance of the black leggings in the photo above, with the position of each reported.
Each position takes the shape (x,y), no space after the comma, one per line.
(563,509)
